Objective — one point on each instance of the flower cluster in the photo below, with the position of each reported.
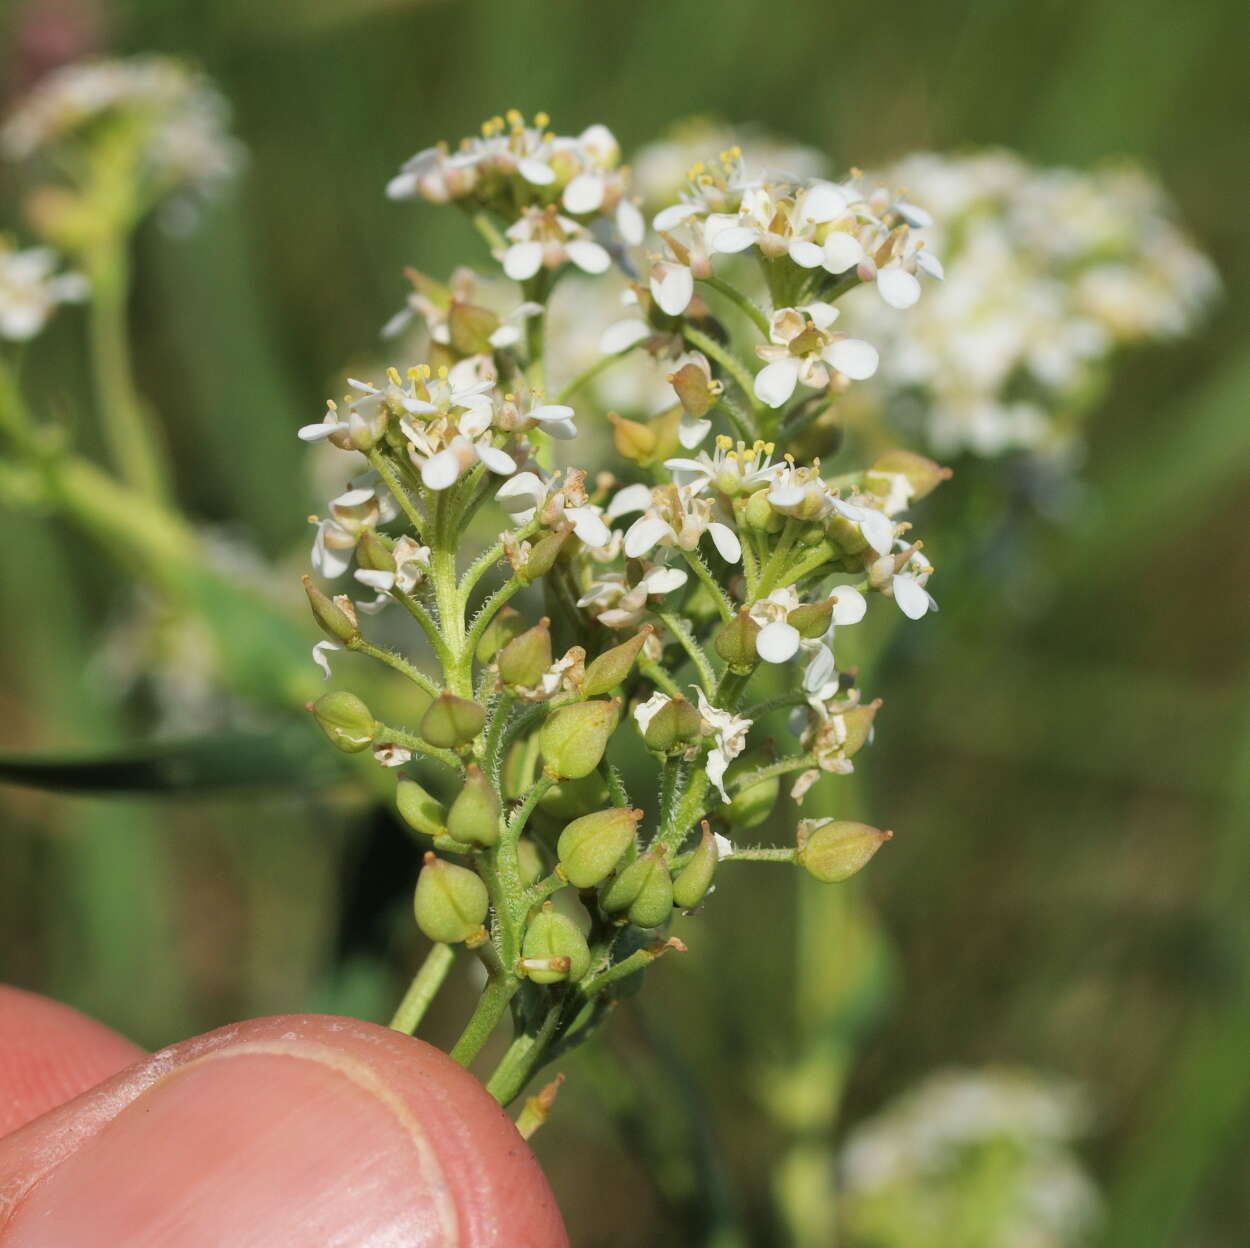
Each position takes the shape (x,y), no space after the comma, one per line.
(168,121)
(31,288)
(913,1172)
(621,617)
(1052,270)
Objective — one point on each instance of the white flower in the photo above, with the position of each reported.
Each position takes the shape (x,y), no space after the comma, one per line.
(542,238)
(729,737)
(777,641)
(903,577)
(616,604)
(733,468)
(677,516)
(321,654)
(801,348)
(31,289)
(388,754)
(364,506)
(412,562)
(646,711)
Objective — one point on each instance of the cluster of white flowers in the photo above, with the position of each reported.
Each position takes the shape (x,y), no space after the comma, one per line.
(524,171)
(174,115)
(906,1169)
(31,289)
(1051,271)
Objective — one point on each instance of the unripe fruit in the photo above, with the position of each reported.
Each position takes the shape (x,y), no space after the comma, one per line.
(506,625)
(695,878)
(673,726)
(735,642)
(812,619)
(574,737)
(450,721)
(751,806)
(590,847)
(551,936)
(611,667)
(334,621)
(474,816)
(644,889)
(527,656)
(346,721)
(833,850)
(419,810)
(451,902)
(571,798)
(373,553)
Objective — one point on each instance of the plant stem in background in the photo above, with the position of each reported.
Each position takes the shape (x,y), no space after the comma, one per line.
(423,989)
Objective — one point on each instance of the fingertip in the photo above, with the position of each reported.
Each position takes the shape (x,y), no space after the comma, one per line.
(49,1054)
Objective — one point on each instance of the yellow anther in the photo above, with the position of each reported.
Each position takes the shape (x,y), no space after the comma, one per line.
(442,372)
(393,374)
(541,120)
(724,441)
(332,405)
(515,117)
(769,447)
(414,374)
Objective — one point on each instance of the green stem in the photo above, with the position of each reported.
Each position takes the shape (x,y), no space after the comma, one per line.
(777,560)
(704,573)
(659,677)
(487,612)
(134,445)
(410,741)
(485,1018)
(756,314)
(386,470)
(587,375)
(423,989)
(726,359)
(782,767)
(360,646)
(681,630)
(760,854)
(523,1057)
(428,626)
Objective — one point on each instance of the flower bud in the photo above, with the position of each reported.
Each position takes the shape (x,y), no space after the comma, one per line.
(571,798)
(923,475)
(450,721)
(693,390)
(644,890)
(527,656)
(474,816)
(695,878)
(574,737)
(612,666)
(590,847)
(507,624)
(758,514)
(542,556)
(751,806)
(529,862)
(346,720)
(333,619)
(812,619)
(633,440)
(833,850)
(735,642)
(549,937)
(373,553)
(673,726)
(419,810)
(451,901)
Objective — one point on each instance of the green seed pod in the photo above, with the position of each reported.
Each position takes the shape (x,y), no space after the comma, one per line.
(695,878)
(346,720)
(644,889)
(574,737)
(833,850)
(759,514)
(612,666)
(373,553)
(543,555)
(450,721)
(858,723)
(590,847)
(527,656)
(673,726)
(335,622)
(846,534)
(923,475)
(735,643)
(451,903)
(552,935)
(571,798)
(529,862)
(419,810)
(812,619)
(507,624)
(752,806)
(474,816)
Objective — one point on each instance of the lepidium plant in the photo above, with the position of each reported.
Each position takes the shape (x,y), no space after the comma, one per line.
(613,616)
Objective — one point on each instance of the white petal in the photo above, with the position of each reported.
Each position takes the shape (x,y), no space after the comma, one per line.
(912,597)
(674,289)
(322,429)
(898,288)
(775,382)
(854,358)
(321,652)
(632,498)
(726,542)
(551,411)
(734,239)
(536,172)
(583,194)
(522,260)
(806,254)
(915,216)
(926,260)
(375,579)
(623,335)
(522,493)
(822,202)
(441,471)
(662,580)
(674,215)
(329,561)
(402,186)
(565,430)
(786,495)
(353,498)
(851,605)
(643,534)
(842,252)
(820,671)
(630,222)
(588,256)
(589,526)
(505,336)
(691,432)
(878,531)
(499,462)
(822,314)
(777,642)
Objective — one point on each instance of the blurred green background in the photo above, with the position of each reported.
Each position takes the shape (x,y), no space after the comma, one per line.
(1069,777)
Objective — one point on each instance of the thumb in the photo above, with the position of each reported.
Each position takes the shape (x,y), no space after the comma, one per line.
(297,1130)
